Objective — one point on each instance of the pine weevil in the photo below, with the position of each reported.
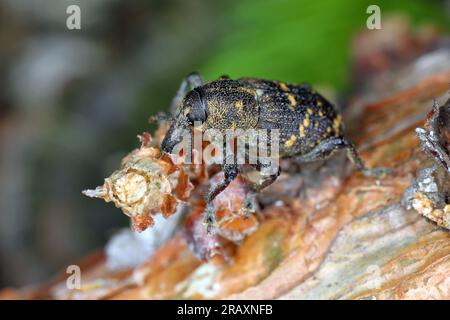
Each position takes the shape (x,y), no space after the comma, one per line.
(310,128)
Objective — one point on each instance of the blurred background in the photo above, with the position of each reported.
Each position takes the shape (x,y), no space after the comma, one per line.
(73,101)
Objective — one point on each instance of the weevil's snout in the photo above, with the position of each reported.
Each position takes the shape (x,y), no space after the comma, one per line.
(166,145)
(171,139)
(178,133)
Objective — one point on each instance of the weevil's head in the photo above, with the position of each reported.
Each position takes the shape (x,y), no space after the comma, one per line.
(192,110)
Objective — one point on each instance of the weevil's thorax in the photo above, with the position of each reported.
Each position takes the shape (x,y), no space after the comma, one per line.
(230,104)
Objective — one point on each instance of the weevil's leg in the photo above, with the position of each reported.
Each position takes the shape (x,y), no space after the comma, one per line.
(266,179)
(321,151)
(230,171)
(324,150)
(250,204)
(192,80)
(353,155)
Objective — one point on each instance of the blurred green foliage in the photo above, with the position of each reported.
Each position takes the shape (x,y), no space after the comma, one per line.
(301,40)
(290,40)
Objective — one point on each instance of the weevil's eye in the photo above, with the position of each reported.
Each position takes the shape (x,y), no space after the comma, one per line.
(194,106)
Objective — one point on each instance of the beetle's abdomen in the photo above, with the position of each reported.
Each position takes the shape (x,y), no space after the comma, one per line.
(303,117)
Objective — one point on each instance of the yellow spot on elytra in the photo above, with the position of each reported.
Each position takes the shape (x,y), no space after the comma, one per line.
(301,129)
(319,103)
(337,123)
(233,126)
(320,113)
(292,100)
(306,122)
(310,111)
(239,104)
(186,111)
(247,89)
(329,129)
(291,141)
(283,86)
(319,141)
(316,124)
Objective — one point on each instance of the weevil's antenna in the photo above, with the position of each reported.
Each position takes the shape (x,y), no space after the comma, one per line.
(161,117)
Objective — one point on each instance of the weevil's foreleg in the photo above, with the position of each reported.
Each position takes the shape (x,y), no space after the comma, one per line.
(231,171)
(192,80)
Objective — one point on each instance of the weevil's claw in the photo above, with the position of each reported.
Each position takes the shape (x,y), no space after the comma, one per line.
(378,172)
(210,218)
(250,205)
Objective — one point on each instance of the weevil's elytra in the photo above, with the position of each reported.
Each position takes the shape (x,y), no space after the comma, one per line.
(265,104)
(296,110)
(309,126)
